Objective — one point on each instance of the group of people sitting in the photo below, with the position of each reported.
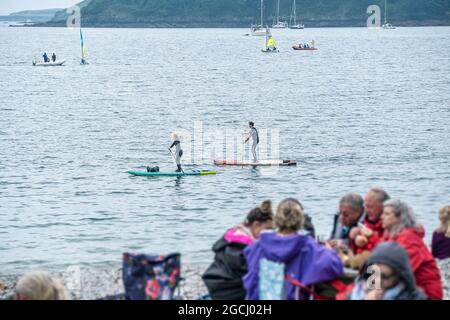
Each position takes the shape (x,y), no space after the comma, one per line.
(47,59)
(276,256)
(376,252)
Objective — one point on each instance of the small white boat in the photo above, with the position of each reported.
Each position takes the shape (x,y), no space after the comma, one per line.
(295,25)
(386,25)
(279,24)
(48,64)
(258,30)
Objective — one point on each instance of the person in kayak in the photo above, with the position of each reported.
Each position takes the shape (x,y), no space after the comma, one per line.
(255,137)
(178,152)
(45,56)
(54,57)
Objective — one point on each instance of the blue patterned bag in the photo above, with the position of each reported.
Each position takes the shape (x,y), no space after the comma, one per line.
(151,277)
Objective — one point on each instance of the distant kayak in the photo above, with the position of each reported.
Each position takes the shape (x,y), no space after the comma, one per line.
(48,64)
(171,174)
(305,49)
(264,163)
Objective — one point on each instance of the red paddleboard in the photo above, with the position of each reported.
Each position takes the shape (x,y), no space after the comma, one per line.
(259,163)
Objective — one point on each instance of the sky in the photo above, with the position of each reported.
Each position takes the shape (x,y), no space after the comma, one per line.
(9,6)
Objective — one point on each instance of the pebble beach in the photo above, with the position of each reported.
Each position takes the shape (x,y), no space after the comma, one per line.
(98,284)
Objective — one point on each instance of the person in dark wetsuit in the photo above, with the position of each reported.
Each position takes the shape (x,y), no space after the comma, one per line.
(178,152)
(54,57)
(255,137)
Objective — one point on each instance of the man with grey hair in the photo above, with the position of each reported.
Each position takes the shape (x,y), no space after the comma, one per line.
(373,208)
(351,211)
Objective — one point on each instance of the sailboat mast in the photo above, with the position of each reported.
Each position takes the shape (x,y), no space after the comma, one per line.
(262,13)
(295,15)
(385,11)
(278,12)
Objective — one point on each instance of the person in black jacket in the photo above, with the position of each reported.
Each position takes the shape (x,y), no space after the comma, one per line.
(223,278)
(351,212)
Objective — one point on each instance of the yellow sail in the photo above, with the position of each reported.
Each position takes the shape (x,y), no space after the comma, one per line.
(83,52)
(271,43)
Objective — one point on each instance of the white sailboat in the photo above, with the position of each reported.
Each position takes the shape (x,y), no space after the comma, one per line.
(258,30)
(279,24)
(386,25)
(294,17)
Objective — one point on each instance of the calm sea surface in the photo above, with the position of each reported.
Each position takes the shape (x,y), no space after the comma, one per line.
(369,108)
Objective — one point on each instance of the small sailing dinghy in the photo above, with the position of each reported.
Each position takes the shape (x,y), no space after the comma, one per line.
(271,46)
(83,53)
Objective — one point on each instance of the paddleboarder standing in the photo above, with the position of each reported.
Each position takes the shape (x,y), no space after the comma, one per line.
(253,134)
(178,152)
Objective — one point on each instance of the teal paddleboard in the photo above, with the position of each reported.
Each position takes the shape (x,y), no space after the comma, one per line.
(171,174)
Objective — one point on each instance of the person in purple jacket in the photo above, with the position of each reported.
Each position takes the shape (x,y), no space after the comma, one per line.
(440,245)
(279,259)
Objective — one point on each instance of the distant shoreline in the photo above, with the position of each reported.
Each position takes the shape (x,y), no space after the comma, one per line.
(218,26)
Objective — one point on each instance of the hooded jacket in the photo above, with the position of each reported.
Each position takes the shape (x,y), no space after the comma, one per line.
(304,260)
(394,256)
(223,278)
(423,264)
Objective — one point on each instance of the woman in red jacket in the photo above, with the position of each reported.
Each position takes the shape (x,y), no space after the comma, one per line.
(400,226)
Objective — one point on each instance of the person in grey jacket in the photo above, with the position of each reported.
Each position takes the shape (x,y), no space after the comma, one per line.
(387,275)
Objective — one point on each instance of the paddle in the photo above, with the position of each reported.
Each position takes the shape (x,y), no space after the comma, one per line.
(175,159)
